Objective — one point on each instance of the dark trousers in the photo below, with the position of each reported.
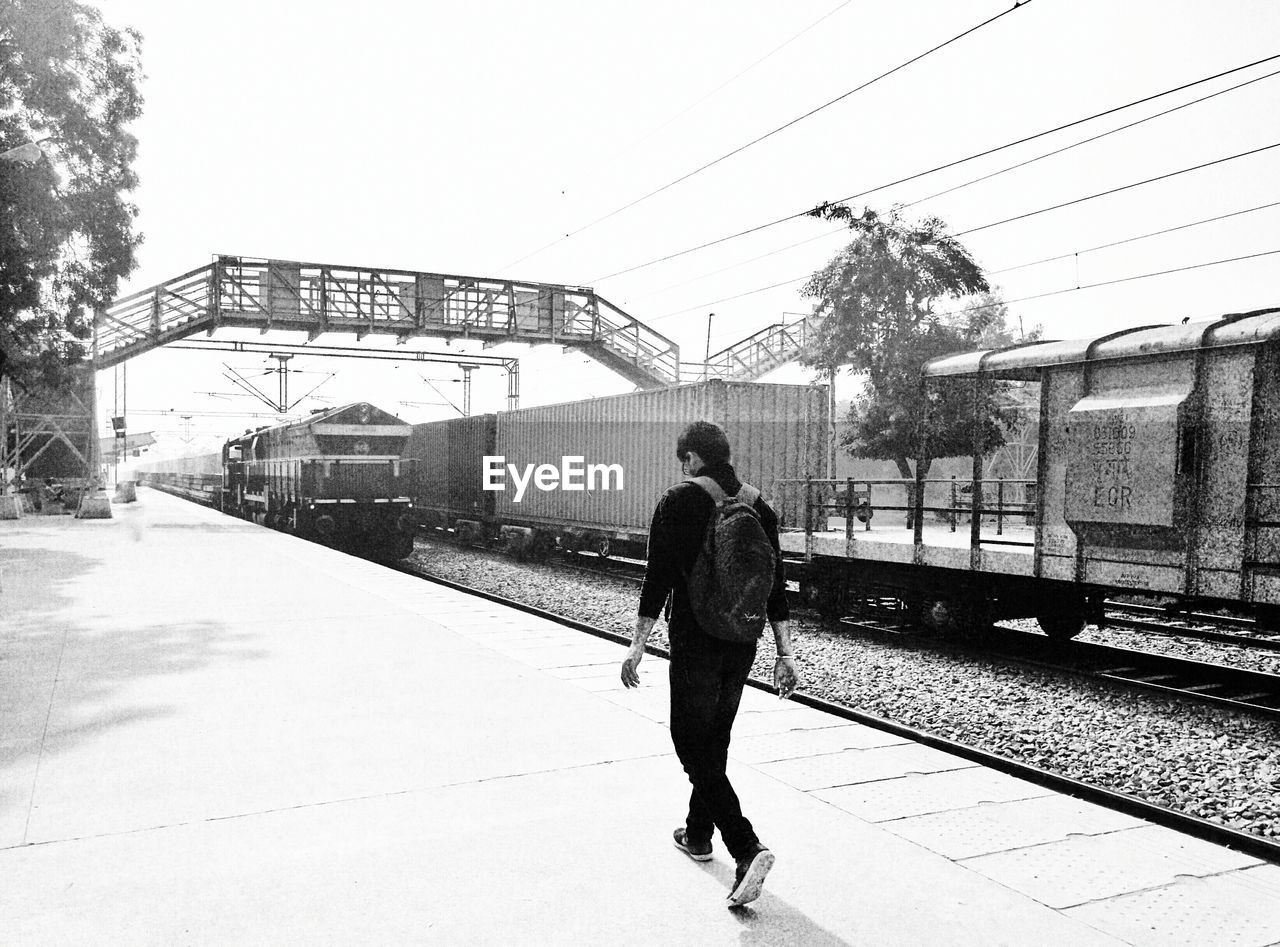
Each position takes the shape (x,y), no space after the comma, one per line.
(706,687)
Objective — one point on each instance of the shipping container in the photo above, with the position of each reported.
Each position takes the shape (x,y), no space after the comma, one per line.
(448,455)
(599,466)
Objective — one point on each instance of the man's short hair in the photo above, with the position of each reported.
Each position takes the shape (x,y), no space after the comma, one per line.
(707,439)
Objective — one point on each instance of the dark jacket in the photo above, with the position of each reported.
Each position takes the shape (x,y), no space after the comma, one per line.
(675,536)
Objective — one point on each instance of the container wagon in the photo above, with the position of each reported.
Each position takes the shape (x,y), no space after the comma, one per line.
(1157,471)
(586,475)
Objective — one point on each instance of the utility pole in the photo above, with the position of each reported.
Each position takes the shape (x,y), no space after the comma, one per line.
(5,461)
(95,453)
(831,424)
(283,375)
(706,361)
(466,388)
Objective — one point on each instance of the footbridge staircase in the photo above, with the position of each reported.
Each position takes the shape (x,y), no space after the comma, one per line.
(757,354)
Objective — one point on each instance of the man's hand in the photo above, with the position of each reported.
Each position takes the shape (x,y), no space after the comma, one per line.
(785,676)
(630,675)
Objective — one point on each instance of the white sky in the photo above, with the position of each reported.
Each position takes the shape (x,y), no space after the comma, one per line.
(459,138)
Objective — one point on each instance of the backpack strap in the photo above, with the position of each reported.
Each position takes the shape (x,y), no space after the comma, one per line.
(746,494)
(713,488)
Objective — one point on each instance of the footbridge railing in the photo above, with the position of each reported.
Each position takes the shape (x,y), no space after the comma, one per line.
(317,298)
(756,355)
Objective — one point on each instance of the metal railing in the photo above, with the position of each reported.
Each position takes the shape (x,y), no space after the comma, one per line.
(756,355)
(637,343)
(317,298)
(856,499)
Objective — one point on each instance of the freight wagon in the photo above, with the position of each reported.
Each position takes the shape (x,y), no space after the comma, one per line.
(587,474)
(197,478)
(1157,471)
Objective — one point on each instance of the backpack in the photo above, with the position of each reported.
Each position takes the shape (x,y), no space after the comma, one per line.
(732,575)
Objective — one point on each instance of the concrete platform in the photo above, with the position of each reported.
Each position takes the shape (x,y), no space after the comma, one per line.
(213,733)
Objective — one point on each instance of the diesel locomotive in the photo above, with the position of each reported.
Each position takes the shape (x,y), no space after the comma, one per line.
(337,476)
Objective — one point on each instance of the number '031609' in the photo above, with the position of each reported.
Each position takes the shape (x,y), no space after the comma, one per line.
(1115,432)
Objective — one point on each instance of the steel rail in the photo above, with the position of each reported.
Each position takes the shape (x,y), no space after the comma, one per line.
(1239,689)
(1254,692)
(1260,640)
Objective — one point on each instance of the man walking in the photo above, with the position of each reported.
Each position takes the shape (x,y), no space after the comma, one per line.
(707,673)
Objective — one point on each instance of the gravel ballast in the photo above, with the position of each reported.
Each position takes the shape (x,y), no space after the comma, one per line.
(1208,762)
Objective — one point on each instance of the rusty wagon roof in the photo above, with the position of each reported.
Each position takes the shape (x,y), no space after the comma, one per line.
(1026,361)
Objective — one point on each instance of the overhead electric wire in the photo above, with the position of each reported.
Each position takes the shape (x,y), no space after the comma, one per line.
(941,167)
(1007,220)
(738,75)
(1141,236)
(780,128)
(1020,299)
(1008,269)
(734,266)
(985,177)
(714,302)
(1085,141)
(1117,190)
(1113,282)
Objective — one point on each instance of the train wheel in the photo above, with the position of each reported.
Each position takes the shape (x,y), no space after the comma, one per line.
(543,545)
(1062,625)
(827,601)
(961,618)
(824,588)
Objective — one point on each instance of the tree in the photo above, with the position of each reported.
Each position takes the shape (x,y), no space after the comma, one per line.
(68,89)
(877,315)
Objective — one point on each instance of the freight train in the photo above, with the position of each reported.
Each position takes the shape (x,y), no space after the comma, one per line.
(337,476)
(1153,461)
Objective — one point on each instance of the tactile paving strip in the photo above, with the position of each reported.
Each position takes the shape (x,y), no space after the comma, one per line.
(1235,910)
(1002,826)
(1088,868)
(917,794)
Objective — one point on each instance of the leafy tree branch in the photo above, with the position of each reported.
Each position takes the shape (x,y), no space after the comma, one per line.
(69,84)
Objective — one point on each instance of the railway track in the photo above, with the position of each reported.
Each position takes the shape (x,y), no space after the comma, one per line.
(1180,625)
(1246,691)
(1123,802)
(628,570)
